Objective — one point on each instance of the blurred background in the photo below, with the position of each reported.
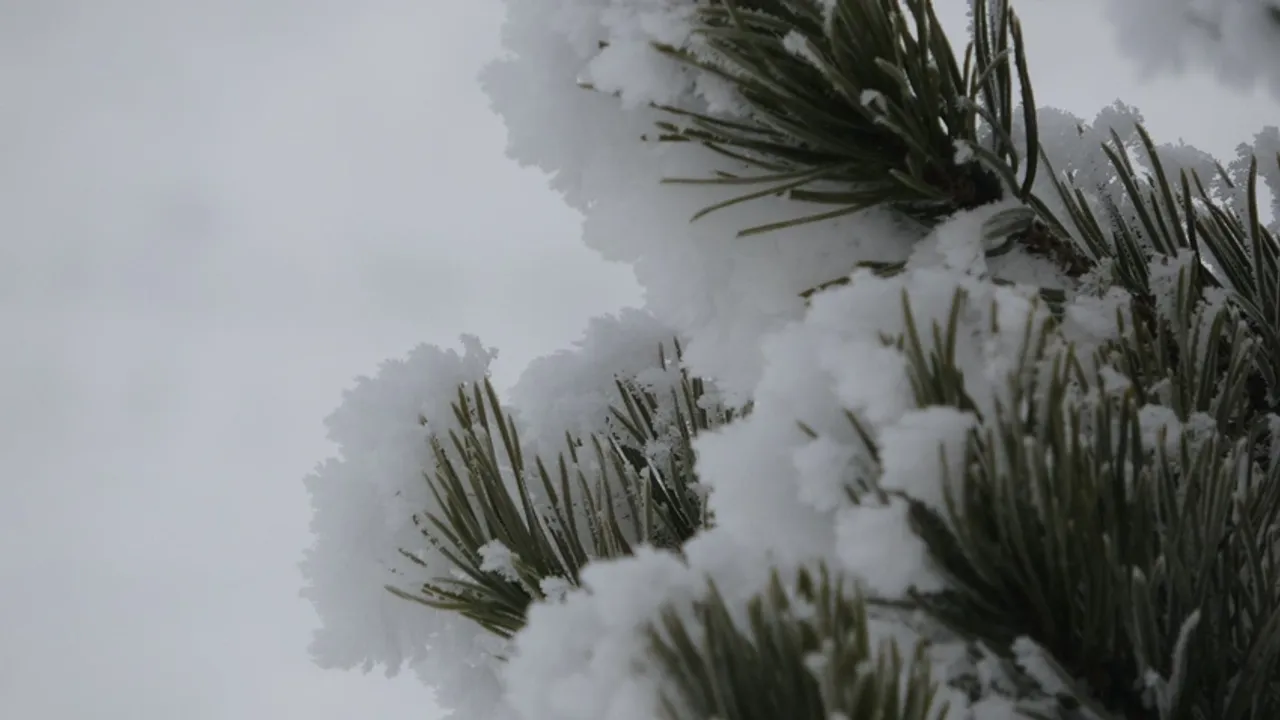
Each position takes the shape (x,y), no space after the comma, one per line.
(214,214)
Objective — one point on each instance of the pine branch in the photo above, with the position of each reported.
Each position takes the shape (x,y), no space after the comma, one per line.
(866,107)
(662,452)
(547,521)
(806,653)
(1234,254)
(1123,558)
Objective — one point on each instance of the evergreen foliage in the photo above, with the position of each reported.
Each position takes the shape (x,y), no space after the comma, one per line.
(795,660)
(863,102)
(1138,551)
(519,529)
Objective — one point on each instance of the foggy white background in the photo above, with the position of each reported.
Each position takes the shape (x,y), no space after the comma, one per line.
(213,215)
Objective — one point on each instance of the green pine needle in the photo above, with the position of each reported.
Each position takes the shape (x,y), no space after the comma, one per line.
(783,663)
(556,518)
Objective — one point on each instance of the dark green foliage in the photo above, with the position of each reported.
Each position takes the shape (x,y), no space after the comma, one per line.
(876,111)
(670,479)
(806,656)
(871,112)
(1119,555)
(1128,555)
(1235,254)
(554,519)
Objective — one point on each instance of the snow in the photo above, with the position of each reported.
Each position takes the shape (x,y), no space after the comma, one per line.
(1098,318)
(571,390)
(364,504)
(922,447)
(1160,428)
(1165,273)
(798,45)
(873,99)
(1039,664)
(619,66)
(498,558)
(573,658)
(876,544)
(1165,689)
(960,242)
(823,469)
(721,291)
(779,493)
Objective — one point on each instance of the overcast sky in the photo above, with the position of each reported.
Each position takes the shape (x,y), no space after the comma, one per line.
(214,214)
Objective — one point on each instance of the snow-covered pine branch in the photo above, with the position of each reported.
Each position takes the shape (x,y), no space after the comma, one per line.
(972,413)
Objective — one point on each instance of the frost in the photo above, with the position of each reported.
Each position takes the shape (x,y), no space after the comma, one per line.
(572,390)
(824,469)
(721,96)
(590,145)
(960,243)
(573,661)
(877,545)
(872,99)
(638,74)
(1040,666)
(1163,691)
(365,501)
(1097,319)
(498,558)
(1164,272)
(555,588)
(921,449)
(1161,428)
(798,45)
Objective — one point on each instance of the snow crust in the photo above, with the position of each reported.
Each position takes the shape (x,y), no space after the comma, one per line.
(576,93)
